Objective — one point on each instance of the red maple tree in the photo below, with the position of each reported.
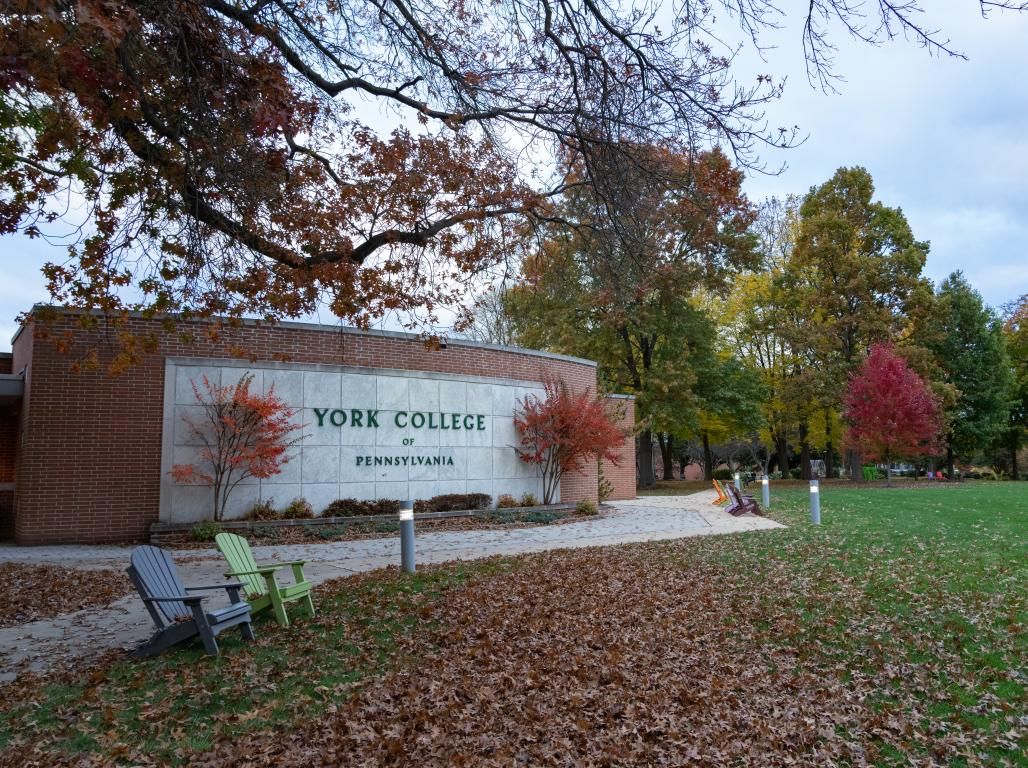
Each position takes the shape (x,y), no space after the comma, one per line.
(563,432)
(244,434)
(891,411)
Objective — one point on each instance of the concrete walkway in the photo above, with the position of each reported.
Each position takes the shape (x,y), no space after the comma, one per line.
(124,624)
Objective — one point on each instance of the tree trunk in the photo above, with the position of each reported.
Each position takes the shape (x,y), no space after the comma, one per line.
(667,455)
(1013,454)
(856,464)
(949,460)
(782,444)
(645,453)
(888,471)
(708,459)
(804,452)
(829,459)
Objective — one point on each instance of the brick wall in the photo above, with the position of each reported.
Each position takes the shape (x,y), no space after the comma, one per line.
(622,475)
(88,468)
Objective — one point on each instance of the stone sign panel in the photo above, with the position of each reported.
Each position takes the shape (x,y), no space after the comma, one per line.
(367,434)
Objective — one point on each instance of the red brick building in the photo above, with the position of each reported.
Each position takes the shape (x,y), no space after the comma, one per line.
(85,455)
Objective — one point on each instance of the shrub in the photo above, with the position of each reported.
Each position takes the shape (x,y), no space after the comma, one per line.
(205,530)
(345,508)
(506,501)
(562,432)
(529,500)
(386,507)
(539,516)
(243,434)
(329,532)
(452,502)
(266,532)
(263,510)
(794,473)
(359,507)
(298,509)
(586,507)
(543,516)
(723,474)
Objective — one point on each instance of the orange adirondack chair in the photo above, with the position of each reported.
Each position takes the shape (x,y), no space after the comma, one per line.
(722,497)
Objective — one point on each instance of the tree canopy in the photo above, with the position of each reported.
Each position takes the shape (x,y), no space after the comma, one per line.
(966,338)
(619,289)
(892,414)
(213,157)
(1015,331)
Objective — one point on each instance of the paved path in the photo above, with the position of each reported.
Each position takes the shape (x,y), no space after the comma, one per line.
(125,623)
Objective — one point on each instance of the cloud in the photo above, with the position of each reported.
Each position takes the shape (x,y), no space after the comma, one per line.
(943,138)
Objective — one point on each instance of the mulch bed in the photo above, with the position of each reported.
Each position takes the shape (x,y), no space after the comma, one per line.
(374,530)
(33,592)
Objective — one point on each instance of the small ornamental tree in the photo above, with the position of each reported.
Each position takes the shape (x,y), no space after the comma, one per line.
(890,410)
(564,432)
(244,434)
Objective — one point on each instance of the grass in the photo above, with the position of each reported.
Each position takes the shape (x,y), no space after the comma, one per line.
(944,572)
(166,707)
(911,602)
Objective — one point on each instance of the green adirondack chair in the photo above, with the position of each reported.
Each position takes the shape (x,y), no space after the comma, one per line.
(262,590)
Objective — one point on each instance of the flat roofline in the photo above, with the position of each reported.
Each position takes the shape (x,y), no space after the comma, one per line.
(322,327)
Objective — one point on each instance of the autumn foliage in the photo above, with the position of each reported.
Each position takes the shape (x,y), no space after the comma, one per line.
(563,432)
(224,171)
(244,435)
(891,411)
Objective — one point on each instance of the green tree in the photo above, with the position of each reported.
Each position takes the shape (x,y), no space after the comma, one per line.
(619,289)
(853,278)
(967,339)
(731,394)
(1015,332)
(751,322)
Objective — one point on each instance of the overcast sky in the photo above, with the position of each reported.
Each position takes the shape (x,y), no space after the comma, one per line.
(946,140)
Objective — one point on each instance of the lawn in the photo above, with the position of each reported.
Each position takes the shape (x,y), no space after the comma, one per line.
(894,634)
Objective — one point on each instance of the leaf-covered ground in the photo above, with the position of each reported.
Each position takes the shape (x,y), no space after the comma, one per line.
(894,634)
(30,592)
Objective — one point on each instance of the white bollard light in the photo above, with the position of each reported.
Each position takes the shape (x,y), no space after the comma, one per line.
(738,482)
(407,536)
(765,492)
(815,502)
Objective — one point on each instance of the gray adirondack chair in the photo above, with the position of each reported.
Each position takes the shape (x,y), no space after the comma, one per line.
(178,614)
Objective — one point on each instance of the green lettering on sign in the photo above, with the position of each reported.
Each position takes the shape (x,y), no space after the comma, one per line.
(338,417)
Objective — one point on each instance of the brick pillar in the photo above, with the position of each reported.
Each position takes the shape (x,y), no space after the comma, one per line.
(622,476)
